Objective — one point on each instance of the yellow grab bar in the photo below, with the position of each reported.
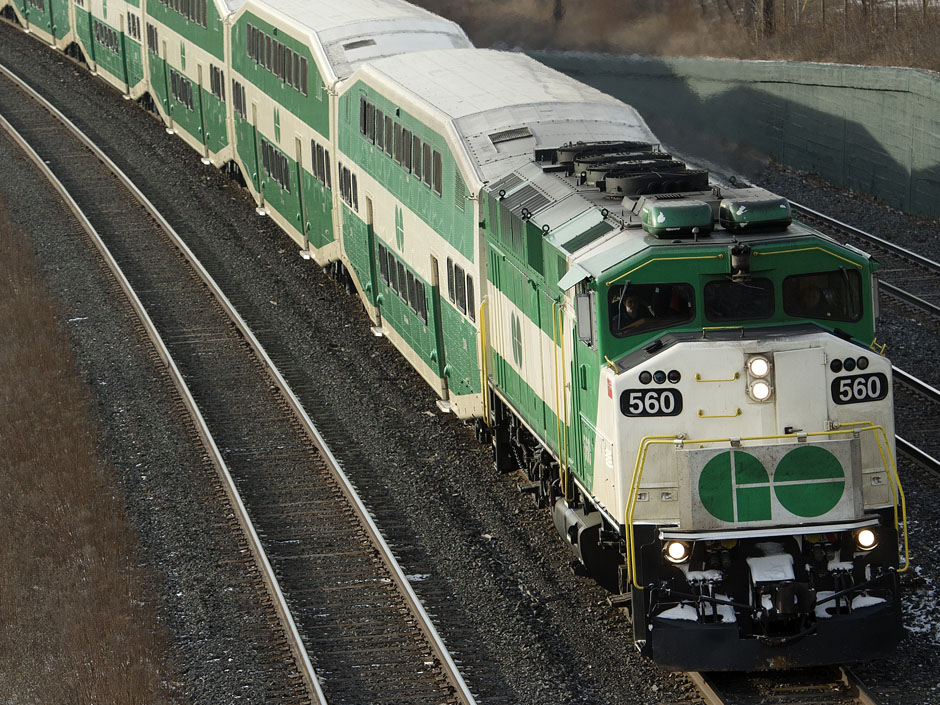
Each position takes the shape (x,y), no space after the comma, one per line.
(878,432)
(484,362)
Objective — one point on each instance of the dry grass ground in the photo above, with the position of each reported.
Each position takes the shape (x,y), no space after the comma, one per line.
(866,34)
(77,623)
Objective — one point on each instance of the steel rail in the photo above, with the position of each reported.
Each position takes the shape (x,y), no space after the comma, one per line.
(705,689)
(916,384)
(863,695)
(909,298)
(859,693)
(388,558)
(925,262)
(930,463)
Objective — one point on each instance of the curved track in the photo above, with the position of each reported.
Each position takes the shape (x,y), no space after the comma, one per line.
(371,638)
(818,686)
(905,275)
(914,282)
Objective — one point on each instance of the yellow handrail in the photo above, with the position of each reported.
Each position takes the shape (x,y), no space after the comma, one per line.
(563,406)
(808,249)
(564,397)
(557,409)
(703,415)
(699,378)
(879,433)
(664,259)
(484,362)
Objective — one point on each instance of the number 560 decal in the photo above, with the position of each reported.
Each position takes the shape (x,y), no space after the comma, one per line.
(651,402)
(859,388)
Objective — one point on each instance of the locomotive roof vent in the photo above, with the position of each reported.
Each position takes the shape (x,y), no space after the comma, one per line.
(754,210)
(673,217)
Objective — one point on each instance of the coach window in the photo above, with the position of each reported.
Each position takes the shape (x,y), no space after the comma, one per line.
(412,297)
(397,143)
(402,280)
(728,300)
(363,109)
(313,160)
(638,308)
(393,273)
(422,309)
(450,279)
(321,166)
(438,176)
(471,303)
(460,289)
(426,167)
(831,296)
(355,194)
(383,263)
(416,166)
(380,129)
(152,39)
(389,135)
(406,149)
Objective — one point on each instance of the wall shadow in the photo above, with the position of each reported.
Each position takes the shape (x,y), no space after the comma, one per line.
(740,124)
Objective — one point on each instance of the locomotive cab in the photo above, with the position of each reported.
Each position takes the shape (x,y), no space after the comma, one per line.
(740,440)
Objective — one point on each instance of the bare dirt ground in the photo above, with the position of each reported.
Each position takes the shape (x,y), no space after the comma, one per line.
(841,31)
(78,622)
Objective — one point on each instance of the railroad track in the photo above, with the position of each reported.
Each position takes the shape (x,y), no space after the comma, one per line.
(816,686)
(906,275)
(920,292)
(325,562)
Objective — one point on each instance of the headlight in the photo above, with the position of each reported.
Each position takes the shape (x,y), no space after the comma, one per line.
(866,539)
(760,390)
(758,366)
(677,551)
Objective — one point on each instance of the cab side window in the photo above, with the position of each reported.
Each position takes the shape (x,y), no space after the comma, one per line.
(832,296)
(638,308)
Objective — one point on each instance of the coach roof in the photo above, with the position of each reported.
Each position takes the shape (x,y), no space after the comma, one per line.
(351,32)
(503,105)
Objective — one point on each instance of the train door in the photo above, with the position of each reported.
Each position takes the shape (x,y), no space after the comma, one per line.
(585,378)
(439,354)
(301,202)
(167,103)
(256,162)
(202,116)
(372,286)
(127,80)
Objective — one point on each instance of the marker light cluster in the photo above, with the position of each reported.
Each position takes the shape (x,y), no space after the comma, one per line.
(849,364)
(660,376)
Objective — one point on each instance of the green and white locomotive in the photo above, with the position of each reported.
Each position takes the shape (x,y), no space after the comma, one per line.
(688,378)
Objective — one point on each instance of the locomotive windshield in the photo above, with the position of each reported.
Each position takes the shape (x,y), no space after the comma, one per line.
(833,296)
(729,300)
(637,308)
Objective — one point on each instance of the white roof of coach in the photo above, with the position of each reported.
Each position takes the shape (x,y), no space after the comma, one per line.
(503,105)
(351,32)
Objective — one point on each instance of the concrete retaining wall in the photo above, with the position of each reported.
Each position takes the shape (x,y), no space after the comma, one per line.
(874,130)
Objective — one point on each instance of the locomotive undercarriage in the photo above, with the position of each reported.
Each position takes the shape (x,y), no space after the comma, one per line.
(735,604)
(598,548)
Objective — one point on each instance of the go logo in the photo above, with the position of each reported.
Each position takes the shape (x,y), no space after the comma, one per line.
(735,486)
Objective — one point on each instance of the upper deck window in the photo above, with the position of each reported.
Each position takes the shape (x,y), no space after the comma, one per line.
(831,296)
(729,300)
(638,308)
